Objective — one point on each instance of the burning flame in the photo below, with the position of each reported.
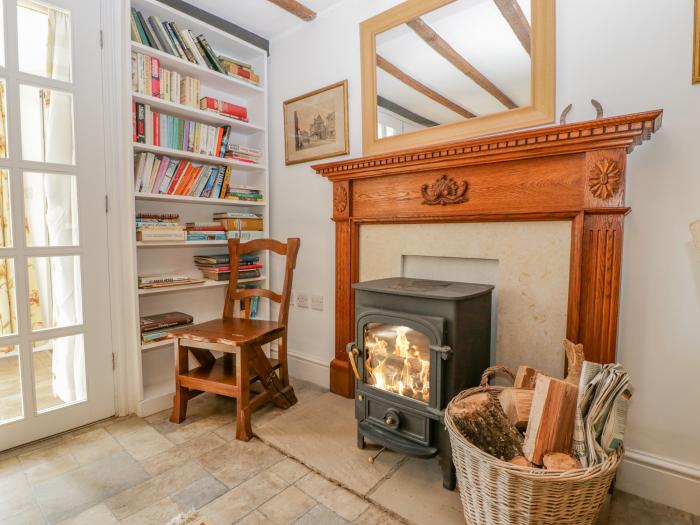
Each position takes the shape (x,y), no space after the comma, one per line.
(401,370)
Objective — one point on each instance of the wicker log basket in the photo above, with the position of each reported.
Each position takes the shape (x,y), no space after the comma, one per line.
(496,492)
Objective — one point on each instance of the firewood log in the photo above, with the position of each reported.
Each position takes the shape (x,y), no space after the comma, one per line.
(521,461)
(516,403)
(574,361)
(483,423)
(560,461)
(525,377)
(551,424)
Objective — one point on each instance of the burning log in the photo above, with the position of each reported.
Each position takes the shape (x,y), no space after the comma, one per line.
(485,425)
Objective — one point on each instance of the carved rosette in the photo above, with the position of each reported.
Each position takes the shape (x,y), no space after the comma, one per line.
(340,199)
(445,190)
(605,179)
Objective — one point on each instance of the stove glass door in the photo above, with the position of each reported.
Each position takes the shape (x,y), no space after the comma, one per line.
(397,359)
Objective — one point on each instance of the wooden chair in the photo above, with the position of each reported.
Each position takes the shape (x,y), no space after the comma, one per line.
(240,339)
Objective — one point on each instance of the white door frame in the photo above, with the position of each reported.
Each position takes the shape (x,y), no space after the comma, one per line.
(121,241)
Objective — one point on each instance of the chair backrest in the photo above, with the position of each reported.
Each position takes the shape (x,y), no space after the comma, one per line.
(235,249)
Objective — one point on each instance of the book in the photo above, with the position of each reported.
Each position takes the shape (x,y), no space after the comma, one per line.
(165,284)
(162,278)
(244,236)
(160,236)
(224,108)
(211,56)
(145,35)
(242,224)
(149,323)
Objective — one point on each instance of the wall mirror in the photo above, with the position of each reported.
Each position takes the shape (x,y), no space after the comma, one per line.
(441,70)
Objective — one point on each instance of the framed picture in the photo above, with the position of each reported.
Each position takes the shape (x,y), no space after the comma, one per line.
(696,44)
(316,124)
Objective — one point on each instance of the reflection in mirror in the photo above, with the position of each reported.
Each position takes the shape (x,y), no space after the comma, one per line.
(467,59)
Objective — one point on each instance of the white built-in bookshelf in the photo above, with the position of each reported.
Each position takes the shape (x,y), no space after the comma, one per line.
(203,301)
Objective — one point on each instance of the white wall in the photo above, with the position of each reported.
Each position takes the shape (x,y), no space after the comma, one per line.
(631,55)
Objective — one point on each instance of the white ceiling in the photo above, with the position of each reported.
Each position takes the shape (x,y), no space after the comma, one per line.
(260,16)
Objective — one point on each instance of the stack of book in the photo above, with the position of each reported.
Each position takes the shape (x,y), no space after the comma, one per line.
(217,268)
(166,279)
(242,153)
(205,231)
(149,78)
(227,109)
(161,174)
(243,226)
(159,227)
(239,69)
(170,38)
(156,327)
(243,193)
(159,129)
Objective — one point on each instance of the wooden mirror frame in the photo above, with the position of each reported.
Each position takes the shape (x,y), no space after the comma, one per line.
(541,111)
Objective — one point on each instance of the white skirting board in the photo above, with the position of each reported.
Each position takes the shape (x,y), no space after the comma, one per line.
(306,367)
(662,480)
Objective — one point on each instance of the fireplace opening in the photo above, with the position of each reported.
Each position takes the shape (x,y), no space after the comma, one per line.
(398,360)
(418,343)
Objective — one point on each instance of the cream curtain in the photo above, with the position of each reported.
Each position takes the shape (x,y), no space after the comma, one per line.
(68,359)
(8,310)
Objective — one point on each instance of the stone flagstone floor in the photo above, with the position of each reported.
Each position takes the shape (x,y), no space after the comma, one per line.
(145,471)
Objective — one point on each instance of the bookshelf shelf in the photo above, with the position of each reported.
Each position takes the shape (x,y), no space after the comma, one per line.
(191,287)
(214,79)
(156,378)
(157,344)
(207,117)
(197,200)
(179,244)
(204,159)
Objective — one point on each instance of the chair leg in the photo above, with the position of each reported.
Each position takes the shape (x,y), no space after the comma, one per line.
(244,431)
(182,394)
(282,356)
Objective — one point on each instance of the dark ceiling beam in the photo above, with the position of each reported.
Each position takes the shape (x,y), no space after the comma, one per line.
(222,24)
(404,112)
(411,82)
(447,52)
(296,8)
(511,11)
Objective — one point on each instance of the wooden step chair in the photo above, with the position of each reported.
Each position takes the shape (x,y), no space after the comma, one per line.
(240,339)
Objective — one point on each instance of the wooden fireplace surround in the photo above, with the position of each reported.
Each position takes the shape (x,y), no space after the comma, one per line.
(573,172)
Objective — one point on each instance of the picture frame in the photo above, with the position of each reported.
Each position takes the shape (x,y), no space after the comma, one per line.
(316,124)
(696,44)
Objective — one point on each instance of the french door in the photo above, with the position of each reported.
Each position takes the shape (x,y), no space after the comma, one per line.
(55,344)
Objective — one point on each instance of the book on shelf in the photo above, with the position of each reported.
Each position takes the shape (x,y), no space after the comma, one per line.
(243,193)
(254,301)
(239,69)
(204,226)
(167,131)
(183,43)
(148,77)
(245,236)
(235,215)
(166,280)
(217,267)
(160,174)
(227,109)
(149,323)
(242,224)
(159,227)
(206,236)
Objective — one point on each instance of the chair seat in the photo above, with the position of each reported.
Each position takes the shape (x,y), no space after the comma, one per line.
(235,331)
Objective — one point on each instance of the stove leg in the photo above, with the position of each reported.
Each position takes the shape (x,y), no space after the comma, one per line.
(360,440)
(449,474)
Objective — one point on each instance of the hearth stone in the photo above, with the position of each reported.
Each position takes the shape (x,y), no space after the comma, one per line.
(418,343)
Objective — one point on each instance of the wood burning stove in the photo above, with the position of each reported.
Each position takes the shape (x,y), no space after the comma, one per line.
(418,343)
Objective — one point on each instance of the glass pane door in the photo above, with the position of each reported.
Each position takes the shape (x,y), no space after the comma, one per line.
(397,359)
(55,356)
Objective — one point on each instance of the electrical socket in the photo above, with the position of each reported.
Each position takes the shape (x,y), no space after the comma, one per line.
(302,300)
(317,302)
